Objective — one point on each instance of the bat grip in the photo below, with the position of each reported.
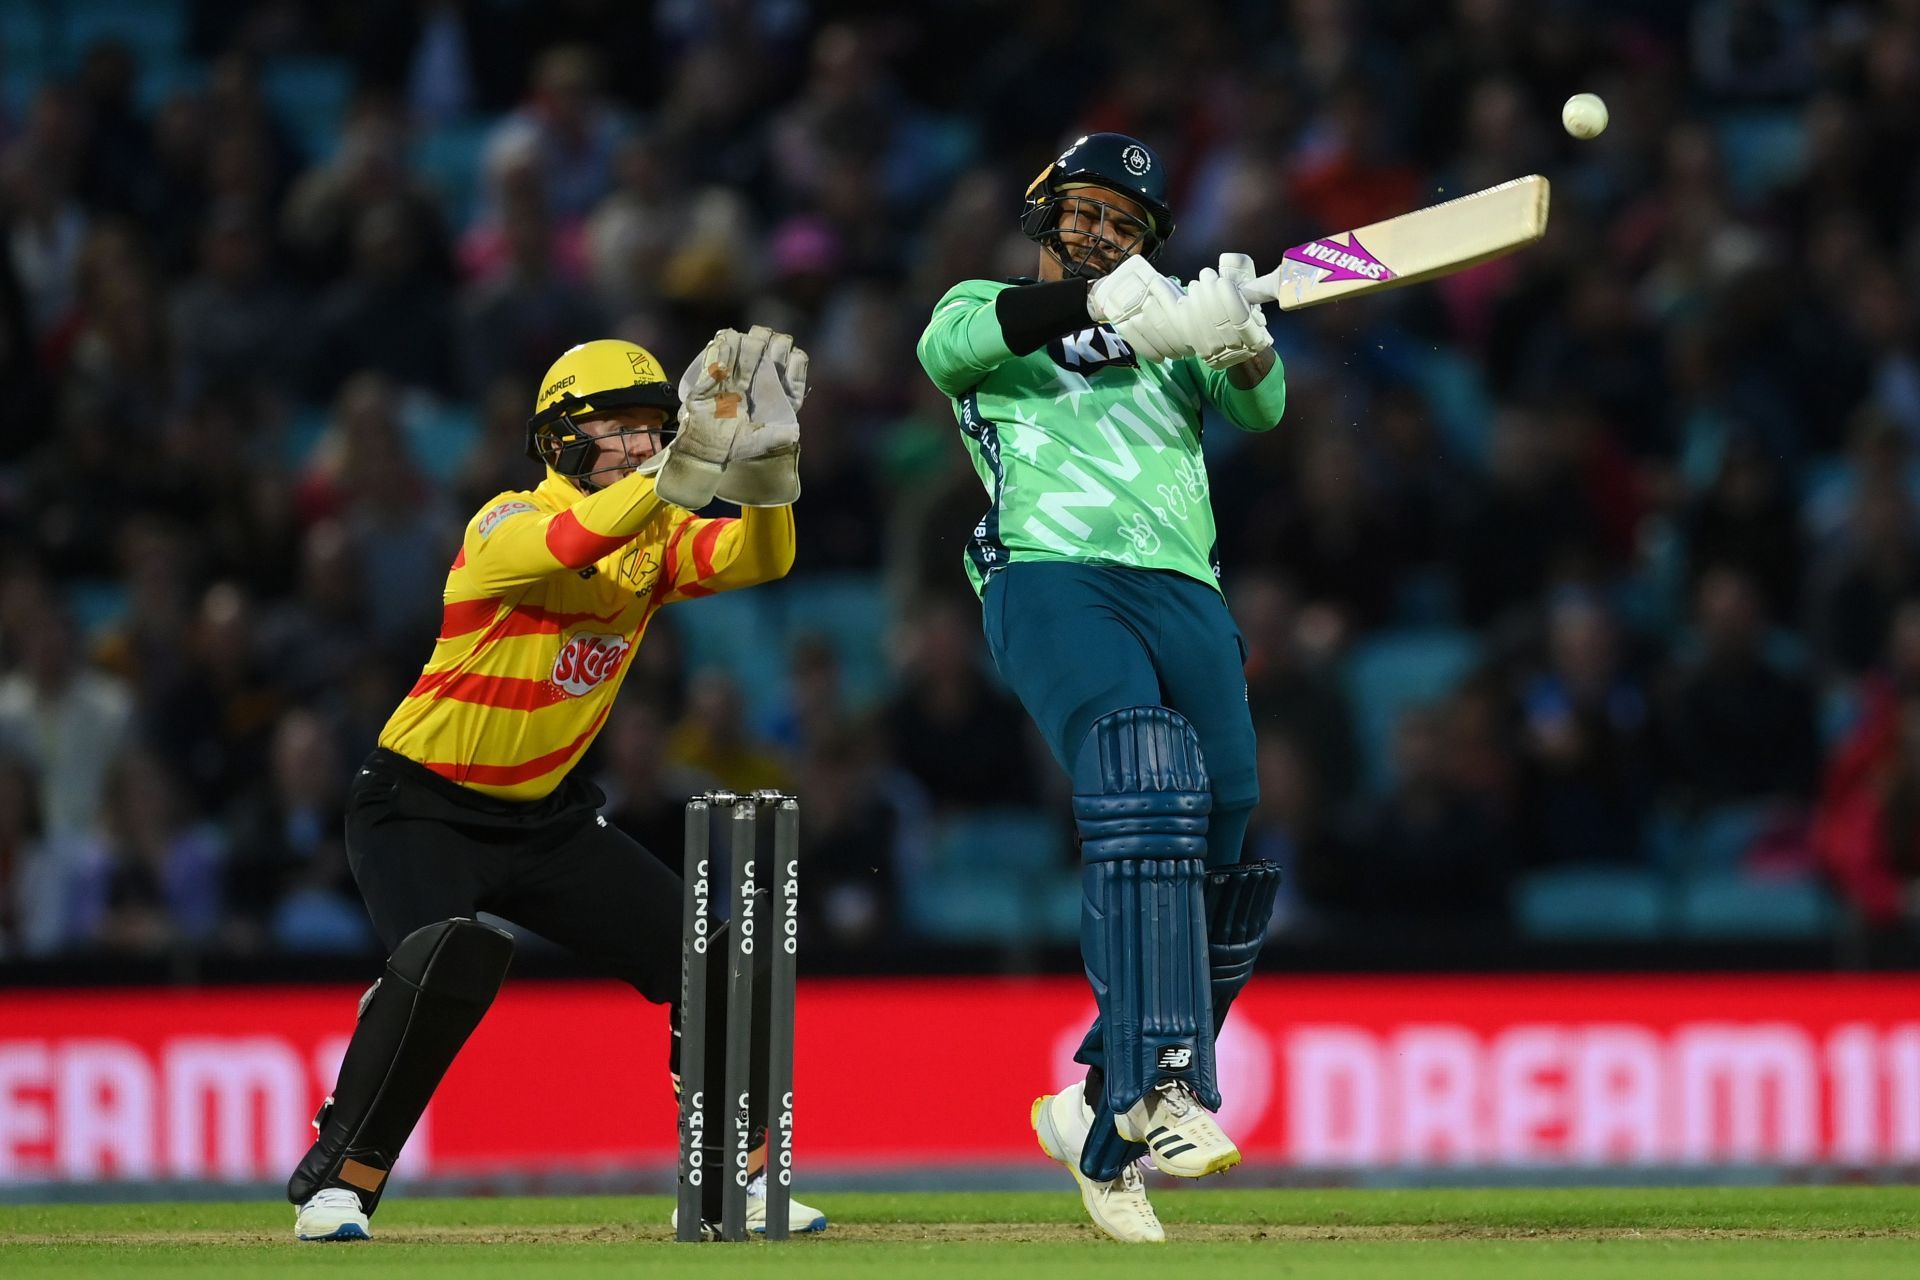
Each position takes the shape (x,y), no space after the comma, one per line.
(1262,289)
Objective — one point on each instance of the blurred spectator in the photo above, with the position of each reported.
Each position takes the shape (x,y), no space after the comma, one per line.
(1335,541)
(287,883)
(1291,692)
(515,321)
(213,718)
(33,870)
(154,883)
(1530,520)
(46,222)
(630,233)
(713,738)
(230,322)
(391,315)
(567,126)
(1746,520)
(816,706)
(1863,577)
(1736,726)
(647,790)
(847,834)
(68,721)
(1587,735)
(368,169)
(962,739)
(1431,850)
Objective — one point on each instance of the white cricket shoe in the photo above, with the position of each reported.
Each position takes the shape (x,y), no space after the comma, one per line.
(1118,1206)
(800,1217)
(334,1213)
(1181,1135)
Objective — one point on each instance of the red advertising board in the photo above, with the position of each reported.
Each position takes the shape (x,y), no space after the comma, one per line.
(1330,1072)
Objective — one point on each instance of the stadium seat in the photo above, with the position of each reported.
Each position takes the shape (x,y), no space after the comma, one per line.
(310,95)
(1015,842)
(441,436)
(998,876)
(1716,840)
(1394,672)
(1725,904)
(1572,903)
(851,613)
(448,159)
(732,632)
(1456,392)
(1762,146)
(979,909)
(152,30)
(97,603)
(26,45)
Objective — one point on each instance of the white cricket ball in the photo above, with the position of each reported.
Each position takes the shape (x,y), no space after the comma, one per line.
(1584,116)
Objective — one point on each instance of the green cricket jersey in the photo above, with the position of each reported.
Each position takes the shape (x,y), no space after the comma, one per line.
(1086,455)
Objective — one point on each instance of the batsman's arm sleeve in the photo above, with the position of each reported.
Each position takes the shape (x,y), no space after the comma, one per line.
(512,543)
(1255,408)
(963,342)
(705,557)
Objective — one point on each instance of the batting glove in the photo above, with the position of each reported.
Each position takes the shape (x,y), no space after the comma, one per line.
(1223,328)
(1143,307)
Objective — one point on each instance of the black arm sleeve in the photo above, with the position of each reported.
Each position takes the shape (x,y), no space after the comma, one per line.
(1030,315)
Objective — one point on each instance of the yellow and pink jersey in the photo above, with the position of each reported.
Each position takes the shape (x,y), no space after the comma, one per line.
(545,603)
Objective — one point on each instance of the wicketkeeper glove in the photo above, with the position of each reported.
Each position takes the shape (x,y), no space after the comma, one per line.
(713,413)
(763,469)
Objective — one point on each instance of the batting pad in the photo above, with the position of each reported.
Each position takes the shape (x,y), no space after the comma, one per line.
(1239,907)
(439,983)
(1141,802)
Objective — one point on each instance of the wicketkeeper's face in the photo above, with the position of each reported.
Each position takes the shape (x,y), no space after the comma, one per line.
(623,439)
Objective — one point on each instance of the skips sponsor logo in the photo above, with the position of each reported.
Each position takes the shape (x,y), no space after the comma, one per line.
(1349,261)
(493,515)
(587,660)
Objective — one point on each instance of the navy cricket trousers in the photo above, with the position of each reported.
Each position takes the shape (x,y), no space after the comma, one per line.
(1077,641)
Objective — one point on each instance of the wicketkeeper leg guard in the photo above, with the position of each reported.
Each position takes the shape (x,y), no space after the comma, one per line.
(1239,907)
(438,984)
(1141,802)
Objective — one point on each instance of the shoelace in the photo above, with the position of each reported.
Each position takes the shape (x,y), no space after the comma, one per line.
(1178,1101)
(335,1195)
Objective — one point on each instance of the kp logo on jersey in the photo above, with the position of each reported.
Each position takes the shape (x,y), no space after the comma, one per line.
(587,660)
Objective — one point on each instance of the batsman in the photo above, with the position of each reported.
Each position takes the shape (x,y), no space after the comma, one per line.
(471,802)
(1079,396)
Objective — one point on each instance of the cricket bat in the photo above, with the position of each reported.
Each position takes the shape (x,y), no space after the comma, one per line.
(1434,241)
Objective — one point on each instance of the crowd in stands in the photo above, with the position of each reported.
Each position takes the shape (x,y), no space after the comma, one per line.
(1581,591)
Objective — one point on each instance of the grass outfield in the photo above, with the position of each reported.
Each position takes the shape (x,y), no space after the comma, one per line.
(1800,1233)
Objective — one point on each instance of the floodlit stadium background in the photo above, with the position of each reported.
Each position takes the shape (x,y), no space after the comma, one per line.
(1582,591)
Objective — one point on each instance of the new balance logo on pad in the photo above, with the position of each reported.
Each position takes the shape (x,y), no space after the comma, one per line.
(1175,1058)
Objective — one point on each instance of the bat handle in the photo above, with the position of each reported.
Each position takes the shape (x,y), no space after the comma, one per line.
(1262,289)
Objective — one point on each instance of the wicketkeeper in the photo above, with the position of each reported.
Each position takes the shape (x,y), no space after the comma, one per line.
(471,802)
(1079,396)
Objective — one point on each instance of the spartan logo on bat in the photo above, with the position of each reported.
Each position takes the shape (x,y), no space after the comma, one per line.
(1091,349)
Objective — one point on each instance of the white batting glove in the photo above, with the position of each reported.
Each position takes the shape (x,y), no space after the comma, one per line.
(763,469)
(1143,307)
(1222,326)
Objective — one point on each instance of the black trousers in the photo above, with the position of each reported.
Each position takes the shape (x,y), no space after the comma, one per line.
(424,849)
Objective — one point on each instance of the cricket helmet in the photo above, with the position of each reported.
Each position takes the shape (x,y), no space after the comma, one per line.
(1109,161)
(596,378)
